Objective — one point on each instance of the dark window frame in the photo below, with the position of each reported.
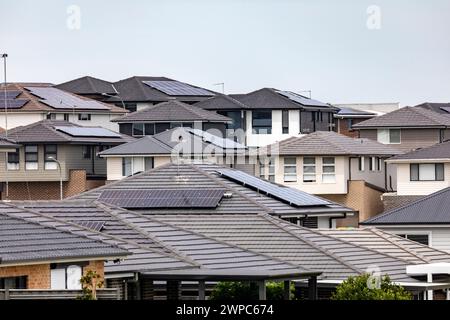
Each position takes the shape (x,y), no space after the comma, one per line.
(259,128)
(285,121)
(415,176)
(31,153)
(86,152)
(80,118)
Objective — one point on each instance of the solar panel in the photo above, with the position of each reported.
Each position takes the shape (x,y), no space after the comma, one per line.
(10,94)
(175,88)
(215,140)
(87,132)
(163,198)
(302,100)
(289,195)
(59,99)
(13,103)
(93,225)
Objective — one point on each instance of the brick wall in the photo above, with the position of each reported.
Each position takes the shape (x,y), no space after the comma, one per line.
(38,276)
(50,190)
(345,130)
(362,198)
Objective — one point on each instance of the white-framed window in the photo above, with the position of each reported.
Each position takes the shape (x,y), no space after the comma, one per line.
(309,169)
(361,161)
(328,170)
(290,169)
(267,168)
(271,176)
(373,163)
(50,151)
(148,163)
(84,116)
(389,136)
(426,172)
(379,164)
(127,166)
(423,238)
(31,157)
(13,160)
(66,277)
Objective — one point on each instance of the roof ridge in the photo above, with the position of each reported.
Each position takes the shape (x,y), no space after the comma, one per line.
(384,236)
(174,251)
(207,174)
(323,250)
(353,244)
(394,210)
(60,229)
(151,218)
(430,115)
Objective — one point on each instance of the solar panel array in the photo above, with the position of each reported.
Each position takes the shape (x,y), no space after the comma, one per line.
(215,140)
(11,101)
(289,195)
(175,88)
(87,132)
(93,225)
(60,99)
(302,100)
(163,198)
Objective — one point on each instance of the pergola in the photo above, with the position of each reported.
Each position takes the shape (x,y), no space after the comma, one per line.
(174,277)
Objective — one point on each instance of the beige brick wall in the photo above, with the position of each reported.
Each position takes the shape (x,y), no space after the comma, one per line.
(38,275)
(362,198)
(50,190)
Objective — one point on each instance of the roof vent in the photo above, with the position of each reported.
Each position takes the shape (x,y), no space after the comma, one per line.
(228,194)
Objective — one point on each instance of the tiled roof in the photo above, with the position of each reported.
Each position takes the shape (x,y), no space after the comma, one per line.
(44,131)
(430,209)
(35,105)
(87,85)
(172,111)
(329,143)
(24,240)
(221,102)
(438,151)
(443,108)
(412,117)
(188,176)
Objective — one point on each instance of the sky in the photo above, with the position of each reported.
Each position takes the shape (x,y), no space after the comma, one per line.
(343,51)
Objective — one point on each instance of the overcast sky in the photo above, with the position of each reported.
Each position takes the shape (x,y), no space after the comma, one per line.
(344,51)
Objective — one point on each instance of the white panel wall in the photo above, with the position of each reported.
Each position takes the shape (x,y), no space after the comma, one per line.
(318,187)
(407,187)
(439,237)
(258,140)
(114,165)
(102,120)
(17,119)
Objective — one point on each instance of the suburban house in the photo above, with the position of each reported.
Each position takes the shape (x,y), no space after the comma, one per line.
(269,115)
(200,236)
(347,117)
(138,92)
(425,220)
(35,255)
(32,102)
(407,128)
(51,152)
(172,114)
(419,172)
(351,171)
(174,145)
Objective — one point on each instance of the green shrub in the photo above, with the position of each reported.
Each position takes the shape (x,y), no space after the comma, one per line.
(363,287)
(240,290)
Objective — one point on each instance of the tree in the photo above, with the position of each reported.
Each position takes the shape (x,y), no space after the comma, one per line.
(241,290)
(90,283)
(369,287)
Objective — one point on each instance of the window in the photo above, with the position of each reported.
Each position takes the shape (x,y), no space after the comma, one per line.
(328,170)
(66,117)
(51,116)
(148,163)
(13,160)
(13,283)
(361,163)
(31,157)
(235,117)
(379,164)
(388,136)
(127,166)
(267,168)
(132,107)
(262,168)
(50,150)
(349,123)
(290,169)
(86,152)
(138,129)
(262,122)
(373,164)
(426,172)
(285,121)
(84,116)
(309,169)
(65,277)
(420,238)
(271,169)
